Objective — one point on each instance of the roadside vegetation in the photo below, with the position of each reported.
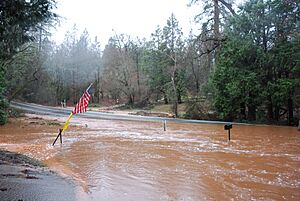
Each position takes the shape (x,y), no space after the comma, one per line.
(243,66)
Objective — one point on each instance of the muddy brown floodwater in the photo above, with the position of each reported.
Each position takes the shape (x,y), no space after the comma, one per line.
(123,160)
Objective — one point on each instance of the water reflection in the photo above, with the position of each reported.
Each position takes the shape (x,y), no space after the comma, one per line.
(139,161)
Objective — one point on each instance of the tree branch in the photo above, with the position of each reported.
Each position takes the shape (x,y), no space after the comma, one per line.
(208,51)
(228,6)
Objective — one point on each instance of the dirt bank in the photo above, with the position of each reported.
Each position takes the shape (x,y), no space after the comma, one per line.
(23,178)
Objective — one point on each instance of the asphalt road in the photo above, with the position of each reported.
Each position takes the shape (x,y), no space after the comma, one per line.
(47,110)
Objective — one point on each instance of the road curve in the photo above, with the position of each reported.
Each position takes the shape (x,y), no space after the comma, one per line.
(47,110)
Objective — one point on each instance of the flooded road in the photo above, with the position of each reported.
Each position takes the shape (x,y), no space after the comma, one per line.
(123,160)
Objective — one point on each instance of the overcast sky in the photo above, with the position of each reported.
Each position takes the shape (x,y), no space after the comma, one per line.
(134,17)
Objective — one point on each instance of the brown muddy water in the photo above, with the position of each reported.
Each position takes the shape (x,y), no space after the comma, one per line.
(123,160)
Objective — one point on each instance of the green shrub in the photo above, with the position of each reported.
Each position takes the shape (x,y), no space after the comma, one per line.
(3,110)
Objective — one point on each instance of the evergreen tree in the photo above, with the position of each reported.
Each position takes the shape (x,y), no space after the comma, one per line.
(16,29)
(257,73)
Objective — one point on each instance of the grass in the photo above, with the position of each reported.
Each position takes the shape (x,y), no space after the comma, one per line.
(167,108)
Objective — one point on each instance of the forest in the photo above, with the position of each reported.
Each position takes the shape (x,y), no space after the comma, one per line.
(244,65)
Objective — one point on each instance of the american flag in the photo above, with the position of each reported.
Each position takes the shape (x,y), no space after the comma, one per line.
(82,105)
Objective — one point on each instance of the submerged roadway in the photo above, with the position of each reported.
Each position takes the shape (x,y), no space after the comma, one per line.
(47,110)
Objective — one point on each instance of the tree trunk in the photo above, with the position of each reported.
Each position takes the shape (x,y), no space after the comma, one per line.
(138,77)
(102,95)
(216,32)
(131,99)
(251,108)
(179,99)
(243,110)
(216,20)
(270,108)
(165,98)
(251,112)
(175,102)
(98,84)
(276,113)
(195,77)
(290,111)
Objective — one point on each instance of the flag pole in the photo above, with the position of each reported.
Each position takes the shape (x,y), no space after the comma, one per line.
(67,123)
(89,86)
(59,135)
(63,129)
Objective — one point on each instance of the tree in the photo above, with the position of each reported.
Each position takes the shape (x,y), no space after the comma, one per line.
(16,29)
(163,62)
(154,63)
(217,12)
(122,75)
(236,80)
(198,62)
(172,47)
(260,56)
(3,101)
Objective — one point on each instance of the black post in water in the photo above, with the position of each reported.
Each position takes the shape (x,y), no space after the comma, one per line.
(59,135)
(228,127)
(60,130)
(165,126)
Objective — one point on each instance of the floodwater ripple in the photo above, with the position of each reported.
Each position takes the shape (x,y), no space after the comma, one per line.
(119,160)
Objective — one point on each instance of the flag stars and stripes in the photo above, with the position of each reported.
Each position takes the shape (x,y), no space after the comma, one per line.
(82,104)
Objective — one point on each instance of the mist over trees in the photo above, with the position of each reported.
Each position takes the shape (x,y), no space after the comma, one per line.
(72,65)
(243,66)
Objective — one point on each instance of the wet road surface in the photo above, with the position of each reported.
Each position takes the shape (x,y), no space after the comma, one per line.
(122,160)
(64,112)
